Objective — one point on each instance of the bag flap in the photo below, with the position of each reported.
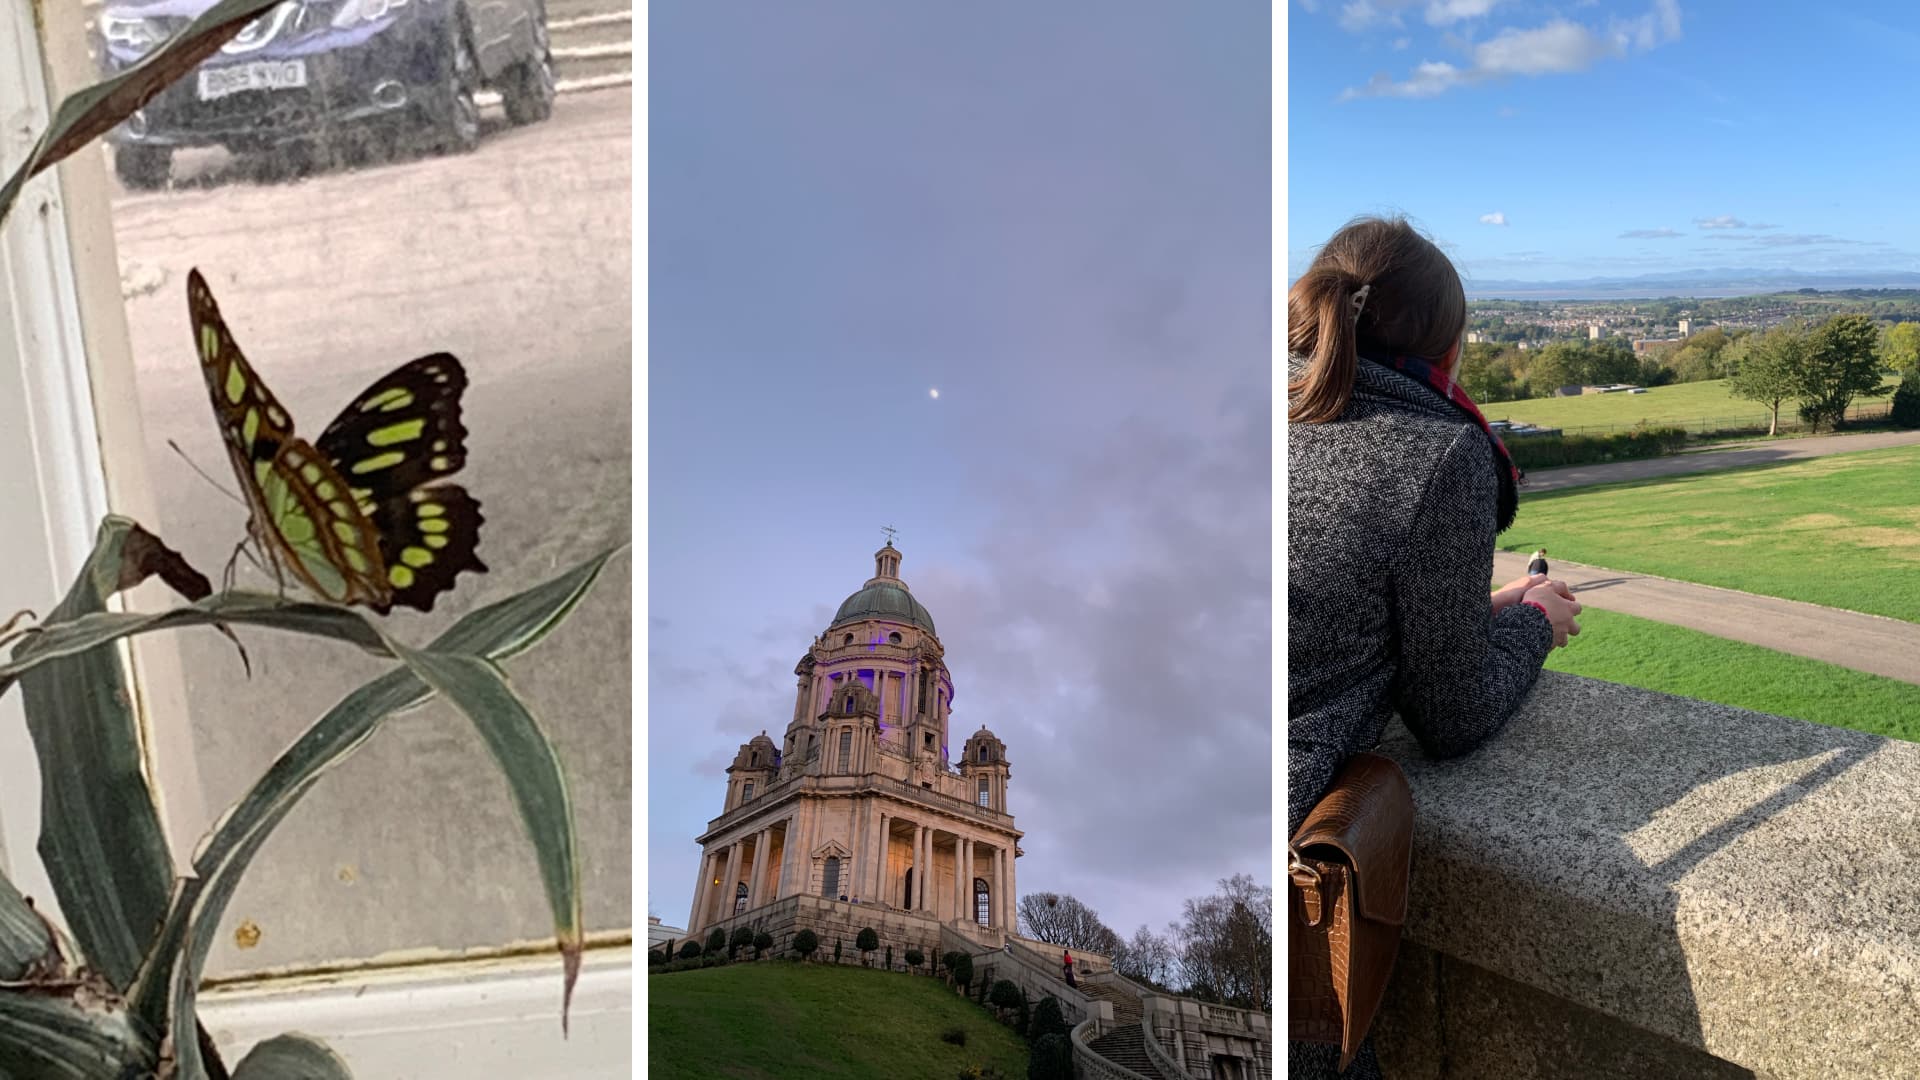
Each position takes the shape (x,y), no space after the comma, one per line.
(1367,817)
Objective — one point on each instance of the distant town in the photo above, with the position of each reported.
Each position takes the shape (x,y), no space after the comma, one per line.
(1651,325)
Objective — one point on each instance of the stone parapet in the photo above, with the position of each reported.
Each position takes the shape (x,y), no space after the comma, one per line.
(1625,883)
(1090,1065)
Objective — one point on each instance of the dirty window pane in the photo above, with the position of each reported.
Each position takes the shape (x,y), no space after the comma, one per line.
(364,182)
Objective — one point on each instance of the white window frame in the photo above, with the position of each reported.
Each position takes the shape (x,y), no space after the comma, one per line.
(70,451)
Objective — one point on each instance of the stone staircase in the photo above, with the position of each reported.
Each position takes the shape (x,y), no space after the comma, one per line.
(592,42)
(1126,1044)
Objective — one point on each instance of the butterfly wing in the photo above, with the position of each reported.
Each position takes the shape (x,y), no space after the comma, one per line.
(303,510)
(393,444)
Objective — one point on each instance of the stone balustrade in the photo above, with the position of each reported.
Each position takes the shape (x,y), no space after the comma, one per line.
(1091,1066)
(1627,884)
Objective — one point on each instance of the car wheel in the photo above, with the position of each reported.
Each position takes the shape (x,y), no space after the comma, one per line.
(528,90)
(453,112)
(143,168)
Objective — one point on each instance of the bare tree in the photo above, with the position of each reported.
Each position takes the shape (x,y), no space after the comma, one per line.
(1147,957)
(1062,920)
(1225,944)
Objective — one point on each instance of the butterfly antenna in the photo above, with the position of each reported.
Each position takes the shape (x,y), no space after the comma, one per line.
(203,474)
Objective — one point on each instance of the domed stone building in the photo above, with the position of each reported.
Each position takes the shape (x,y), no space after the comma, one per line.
(861,801)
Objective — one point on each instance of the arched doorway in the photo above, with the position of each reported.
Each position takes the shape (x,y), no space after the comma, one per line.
(740,898)
(906,902)
(982,903)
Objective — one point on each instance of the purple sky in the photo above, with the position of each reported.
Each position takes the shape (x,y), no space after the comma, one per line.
(1058,215)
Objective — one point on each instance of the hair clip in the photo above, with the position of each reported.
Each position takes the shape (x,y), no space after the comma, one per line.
(1360,300)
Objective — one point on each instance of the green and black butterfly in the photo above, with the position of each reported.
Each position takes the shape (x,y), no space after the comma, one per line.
(358,515)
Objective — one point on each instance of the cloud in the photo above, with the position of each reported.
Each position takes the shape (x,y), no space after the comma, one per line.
(1359,15)
(1310,6)
(1495,218)
(1442,12)
(1650,234)
(1400,43)
(1724,221)
(1557,48)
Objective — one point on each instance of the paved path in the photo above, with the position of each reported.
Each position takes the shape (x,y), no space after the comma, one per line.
(1869,643)
(1739,455)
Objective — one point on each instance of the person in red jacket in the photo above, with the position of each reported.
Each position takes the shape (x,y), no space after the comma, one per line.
(1066,960)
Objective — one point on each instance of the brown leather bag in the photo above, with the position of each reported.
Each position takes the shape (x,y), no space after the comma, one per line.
(1347,870)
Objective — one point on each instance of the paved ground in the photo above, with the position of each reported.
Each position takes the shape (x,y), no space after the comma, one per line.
(518,259)
(1869,643)
(1699,461)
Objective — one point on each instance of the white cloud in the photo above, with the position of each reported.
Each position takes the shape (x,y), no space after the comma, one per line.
(1556,47)
(1442,12)
(1495,218)
(1650,234)
(1430,78)
(1724,221)
(1559,47)
(1400,43)
(1310,6)
(1359,15)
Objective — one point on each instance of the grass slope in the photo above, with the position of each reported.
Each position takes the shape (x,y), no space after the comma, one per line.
(782,1021)
(1842,530)
(1681,403)
(1674,660)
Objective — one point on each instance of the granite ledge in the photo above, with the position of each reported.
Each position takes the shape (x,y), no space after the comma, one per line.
(1737,882)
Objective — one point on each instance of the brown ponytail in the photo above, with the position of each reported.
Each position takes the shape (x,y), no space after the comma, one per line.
(1414,305)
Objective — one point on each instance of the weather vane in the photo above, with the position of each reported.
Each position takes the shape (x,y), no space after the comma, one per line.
(889,530)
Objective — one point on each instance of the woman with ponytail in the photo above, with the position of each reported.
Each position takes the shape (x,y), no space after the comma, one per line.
(1396,490)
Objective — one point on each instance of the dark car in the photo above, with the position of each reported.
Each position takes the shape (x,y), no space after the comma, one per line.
(333,72)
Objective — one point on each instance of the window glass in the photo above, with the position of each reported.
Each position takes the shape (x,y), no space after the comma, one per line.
(982,903)
(830,879)
(361,185)
(846,745)
(983,791)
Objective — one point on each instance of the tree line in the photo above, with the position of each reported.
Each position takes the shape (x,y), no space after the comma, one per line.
(1219,950)
(1820,367)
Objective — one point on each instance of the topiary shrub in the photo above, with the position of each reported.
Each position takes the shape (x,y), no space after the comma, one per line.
(690,951)
(655,958)
(866,942)
(950,961)
(716,941)
(836,950)
(806,942)
(762,941)
(1047,1019)
(1026,1013)
(742,939)
(914,958)
(1051,1059)
(962,967)
(1004,995)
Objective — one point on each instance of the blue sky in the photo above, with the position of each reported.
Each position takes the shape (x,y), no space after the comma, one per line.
(1059,216)
(1542,141)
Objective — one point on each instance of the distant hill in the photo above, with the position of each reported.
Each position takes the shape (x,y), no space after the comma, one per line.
(785,1021)
(1721,282)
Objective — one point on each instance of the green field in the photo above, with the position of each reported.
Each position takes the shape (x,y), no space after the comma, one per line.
(779,1020)
(1842,530)
(1685,404)
(1674,660)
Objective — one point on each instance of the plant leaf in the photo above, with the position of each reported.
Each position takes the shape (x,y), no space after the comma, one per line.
(100,837)
(90,113)
(291,1057)
(533,772)
(77,1032)
(24,938)
(505,628)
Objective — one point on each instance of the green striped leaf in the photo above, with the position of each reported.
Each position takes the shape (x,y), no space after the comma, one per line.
(499,630)
(23,935)
(75,1033)
(91,113)
(291,1057)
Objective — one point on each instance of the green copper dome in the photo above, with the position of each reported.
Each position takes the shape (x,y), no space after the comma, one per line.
(884,600)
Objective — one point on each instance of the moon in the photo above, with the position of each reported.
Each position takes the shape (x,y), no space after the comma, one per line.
(934,393)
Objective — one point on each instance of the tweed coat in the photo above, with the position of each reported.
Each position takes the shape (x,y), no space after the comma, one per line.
(1391,516)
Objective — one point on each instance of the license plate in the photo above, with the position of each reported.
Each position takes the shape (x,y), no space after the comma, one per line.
(259,75)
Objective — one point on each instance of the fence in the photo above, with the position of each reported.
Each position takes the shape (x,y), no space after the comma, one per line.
(1727,425)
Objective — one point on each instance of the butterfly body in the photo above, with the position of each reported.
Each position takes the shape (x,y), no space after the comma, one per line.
(362,514)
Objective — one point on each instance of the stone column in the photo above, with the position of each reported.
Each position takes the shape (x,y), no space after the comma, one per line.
(963,877)
(1013,894)
(878,889)
(754,886)
(1001,902)
(920,865)
(729,881)
(700,891)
